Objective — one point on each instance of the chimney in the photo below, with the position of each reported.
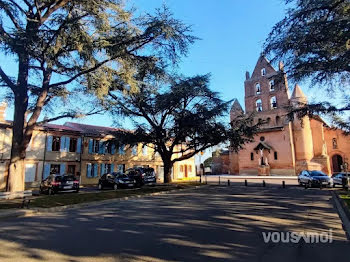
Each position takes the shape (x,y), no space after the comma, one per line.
(3,106)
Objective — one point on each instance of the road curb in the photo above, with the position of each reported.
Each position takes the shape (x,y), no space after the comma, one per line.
(29,212)
(343,212)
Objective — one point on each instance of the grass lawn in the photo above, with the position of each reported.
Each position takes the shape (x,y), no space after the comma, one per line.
(63,199)
(346,197)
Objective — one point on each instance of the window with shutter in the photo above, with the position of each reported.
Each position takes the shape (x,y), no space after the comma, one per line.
(56,143)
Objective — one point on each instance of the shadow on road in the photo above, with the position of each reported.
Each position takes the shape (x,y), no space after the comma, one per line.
(207,224)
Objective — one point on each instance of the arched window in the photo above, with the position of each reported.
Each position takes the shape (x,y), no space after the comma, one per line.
(268,120)
(275,155)
(251,156)
(258,105)
(273,102)
(334,143)
(272,85)
(257,88)
(263,71)
(278,120)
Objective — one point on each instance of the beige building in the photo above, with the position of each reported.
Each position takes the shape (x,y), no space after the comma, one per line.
(80,149)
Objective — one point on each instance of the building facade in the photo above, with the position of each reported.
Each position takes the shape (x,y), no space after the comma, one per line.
(80,150)
(284,147)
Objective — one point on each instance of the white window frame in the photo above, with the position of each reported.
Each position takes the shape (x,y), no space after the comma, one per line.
(272,87)
(257,88)
(144,150)
(273,100)
(263,71)
(134,150)
(257,106)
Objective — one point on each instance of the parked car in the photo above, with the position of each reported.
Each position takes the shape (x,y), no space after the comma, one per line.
(142,175)
(314,178)
(115,181)
(55,183)
(340,179)
(148,176)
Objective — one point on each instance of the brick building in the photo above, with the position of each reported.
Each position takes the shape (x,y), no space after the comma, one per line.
(284,147)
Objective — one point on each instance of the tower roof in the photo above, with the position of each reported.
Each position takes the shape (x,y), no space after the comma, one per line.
(262,62)
(236,106)
(298,93)
(298,96)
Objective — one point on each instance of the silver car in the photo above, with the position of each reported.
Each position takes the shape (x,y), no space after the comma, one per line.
(314,178)
(341,179)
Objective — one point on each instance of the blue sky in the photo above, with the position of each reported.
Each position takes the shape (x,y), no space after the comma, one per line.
(232,33)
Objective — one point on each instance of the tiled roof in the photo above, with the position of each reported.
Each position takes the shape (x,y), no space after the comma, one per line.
(92,129)
(59,127)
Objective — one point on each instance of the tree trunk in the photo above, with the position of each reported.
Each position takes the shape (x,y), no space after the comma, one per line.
(15,178)
(167,171)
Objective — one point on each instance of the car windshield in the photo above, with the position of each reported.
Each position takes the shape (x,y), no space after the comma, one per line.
(148,171)
(317,173)
(64,178)
(122,176)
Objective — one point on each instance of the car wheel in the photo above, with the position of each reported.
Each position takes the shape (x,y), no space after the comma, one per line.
(299,182)
(309,184)
(115,187)
(50,191)
(100,187)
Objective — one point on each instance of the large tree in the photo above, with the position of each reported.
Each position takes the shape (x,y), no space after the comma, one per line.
(314,42)
(178,119)
(65,46)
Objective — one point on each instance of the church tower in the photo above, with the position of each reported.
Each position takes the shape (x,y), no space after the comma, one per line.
(236,110)
(266,93)
(309,141)
(302,131)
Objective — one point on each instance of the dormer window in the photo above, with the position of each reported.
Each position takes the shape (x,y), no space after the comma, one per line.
(263,72)
(258,105)
(272,85)
(273,102)
(257,88)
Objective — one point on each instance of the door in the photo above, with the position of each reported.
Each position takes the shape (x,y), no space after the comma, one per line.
(186,171)
(30,173)
(337,162)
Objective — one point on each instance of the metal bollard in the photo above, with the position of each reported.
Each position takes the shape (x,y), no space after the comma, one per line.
(206,181)
(283,184)
(320,185)
(246,182)
(264,184)
(228,182)
(219,180)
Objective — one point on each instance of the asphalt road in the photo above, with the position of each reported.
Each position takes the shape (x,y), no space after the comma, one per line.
(207,224)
